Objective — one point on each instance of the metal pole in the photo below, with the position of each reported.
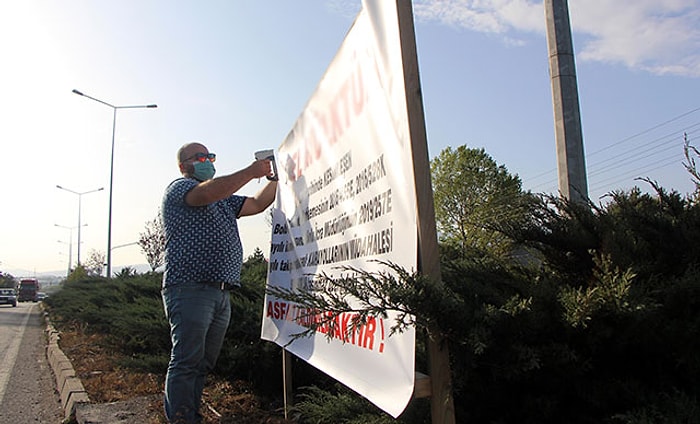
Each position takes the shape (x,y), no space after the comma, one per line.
(69,256)
(111,184)
(70,245)
(70,250)
(80,207)
(111,168)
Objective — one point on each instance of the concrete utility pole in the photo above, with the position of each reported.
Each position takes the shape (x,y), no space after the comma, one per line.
(571,163)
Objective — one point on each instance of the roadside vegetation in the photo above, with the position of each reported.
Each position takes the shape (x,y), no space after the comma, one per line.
(554,312)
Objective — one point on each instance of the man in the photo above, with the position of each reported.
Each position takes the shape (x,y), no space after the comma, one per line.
(203,258)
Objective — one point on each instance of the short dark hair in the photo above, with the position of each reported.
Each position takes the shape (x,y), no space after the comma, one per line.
(181,151)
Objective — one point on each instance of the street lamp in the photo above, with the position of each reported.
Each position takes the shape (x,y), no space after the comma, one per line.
(70,243)
(70,246)
(80,201)
(111,169)
(70,257)
(125,245)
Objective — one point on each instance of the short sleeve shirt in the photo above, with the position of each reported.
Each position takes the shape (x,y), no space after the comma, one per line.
(201,243)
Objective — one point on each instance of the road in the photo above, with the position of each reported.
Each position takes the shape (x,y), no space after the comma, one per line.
(27,386)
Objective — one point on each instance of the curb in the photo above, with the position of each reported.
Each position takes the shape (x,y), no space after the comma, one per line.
(69,387)
(77,407)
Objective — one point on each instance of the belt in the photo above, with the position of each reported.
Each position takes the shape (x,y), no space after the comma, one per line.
(220,286)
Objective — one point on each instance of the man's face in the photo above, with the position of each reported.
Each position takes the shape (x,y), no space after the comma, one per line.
(188,158)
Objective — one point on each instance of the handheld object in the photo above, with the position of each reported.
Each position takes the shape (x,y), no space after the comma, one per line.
(268,154)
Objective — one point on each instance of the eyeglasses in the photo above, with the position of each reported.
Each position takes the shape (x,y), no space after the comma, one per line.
(201,157)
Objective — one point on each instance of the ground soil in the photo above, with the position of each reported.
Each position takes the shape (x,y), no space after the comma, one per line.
(224,401)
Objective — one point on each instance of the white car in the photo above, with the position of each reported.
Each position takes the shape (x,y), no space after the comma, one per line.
(8,297)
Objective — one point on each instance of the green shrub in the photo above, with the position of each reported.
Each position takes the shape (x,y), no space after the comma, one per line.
(319,405)
(599,322)
(127,311)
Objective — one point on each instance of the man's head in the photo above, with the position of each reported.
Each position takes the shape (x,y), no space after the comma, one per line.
(196,162)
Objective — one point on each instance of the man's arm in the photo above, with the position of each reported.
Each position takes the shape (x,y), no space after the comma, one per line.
(218,188)
(261,200)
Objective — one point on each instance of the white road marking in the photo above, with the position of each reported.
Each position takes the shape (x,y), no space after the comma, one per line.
(8,362)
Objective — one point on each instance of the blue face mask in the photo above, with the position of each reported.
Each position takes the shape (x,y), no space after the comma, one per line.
(203,170)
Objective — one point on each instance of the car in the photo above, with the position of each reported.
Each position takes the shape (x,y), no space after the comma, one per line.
(41,296)
(8,297)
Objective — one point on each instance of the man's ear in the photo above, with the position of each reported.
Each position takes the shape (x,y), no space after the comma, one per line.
(183,169)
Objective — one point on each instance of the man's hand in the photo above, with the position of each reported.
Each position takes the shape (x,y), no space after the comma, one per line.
(261,168)
(210,191)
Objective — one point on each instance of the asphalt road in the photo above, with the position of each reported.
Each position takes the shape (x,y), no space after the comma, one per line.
(27,387)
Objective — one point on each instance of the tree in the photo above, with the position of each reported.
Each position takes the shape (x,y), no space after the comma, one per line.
(255,267)
(77,274)
(691,152)
(126,272)
(473,196)
(152,242)
(95,263)
(7,280)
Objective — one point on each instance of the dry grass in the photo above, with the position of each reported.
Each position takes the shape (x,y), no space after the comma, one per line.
(224,402)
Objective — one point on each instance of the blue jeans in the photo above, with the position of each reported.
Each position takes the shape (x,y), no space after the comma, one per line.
(198,316)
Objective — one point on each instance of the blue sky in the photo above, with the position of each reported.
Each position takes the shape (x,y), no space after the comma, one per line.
(236,74)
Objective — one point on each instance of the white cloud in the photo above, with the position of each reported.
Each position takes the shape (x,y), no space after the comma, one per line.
(658,36)
(347,8)
(477,15)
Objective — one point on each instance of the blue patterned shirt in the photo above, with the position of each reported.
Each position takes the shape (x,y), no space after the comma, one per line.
(201,243)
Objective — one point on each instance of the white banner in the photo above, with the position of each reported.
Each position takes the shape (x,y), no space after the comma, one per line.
(346,197)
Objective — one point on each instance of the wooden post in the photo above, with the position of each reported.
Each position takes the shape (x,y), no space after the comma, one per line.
(441,401)
(287,381)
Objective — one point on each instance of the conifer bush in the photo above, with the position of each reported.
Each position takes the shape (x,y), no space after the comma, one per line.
(595,320)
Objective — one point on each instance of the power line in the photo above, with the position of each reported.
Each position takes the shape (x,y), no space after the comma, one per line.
(652,145)
(637,173)
(648,130)
(645,149)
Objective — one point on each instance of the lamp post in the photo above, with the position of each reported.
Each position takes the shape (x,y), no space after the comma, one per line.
(70,246)
(70,243)
(80,202)
(111,169)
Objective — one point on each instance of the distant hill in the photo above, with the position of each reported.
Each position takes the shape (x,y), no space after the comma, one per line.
(55,277)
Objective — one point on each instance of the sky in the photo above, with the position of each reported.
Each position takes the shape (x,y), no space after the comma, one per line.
(236,74)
